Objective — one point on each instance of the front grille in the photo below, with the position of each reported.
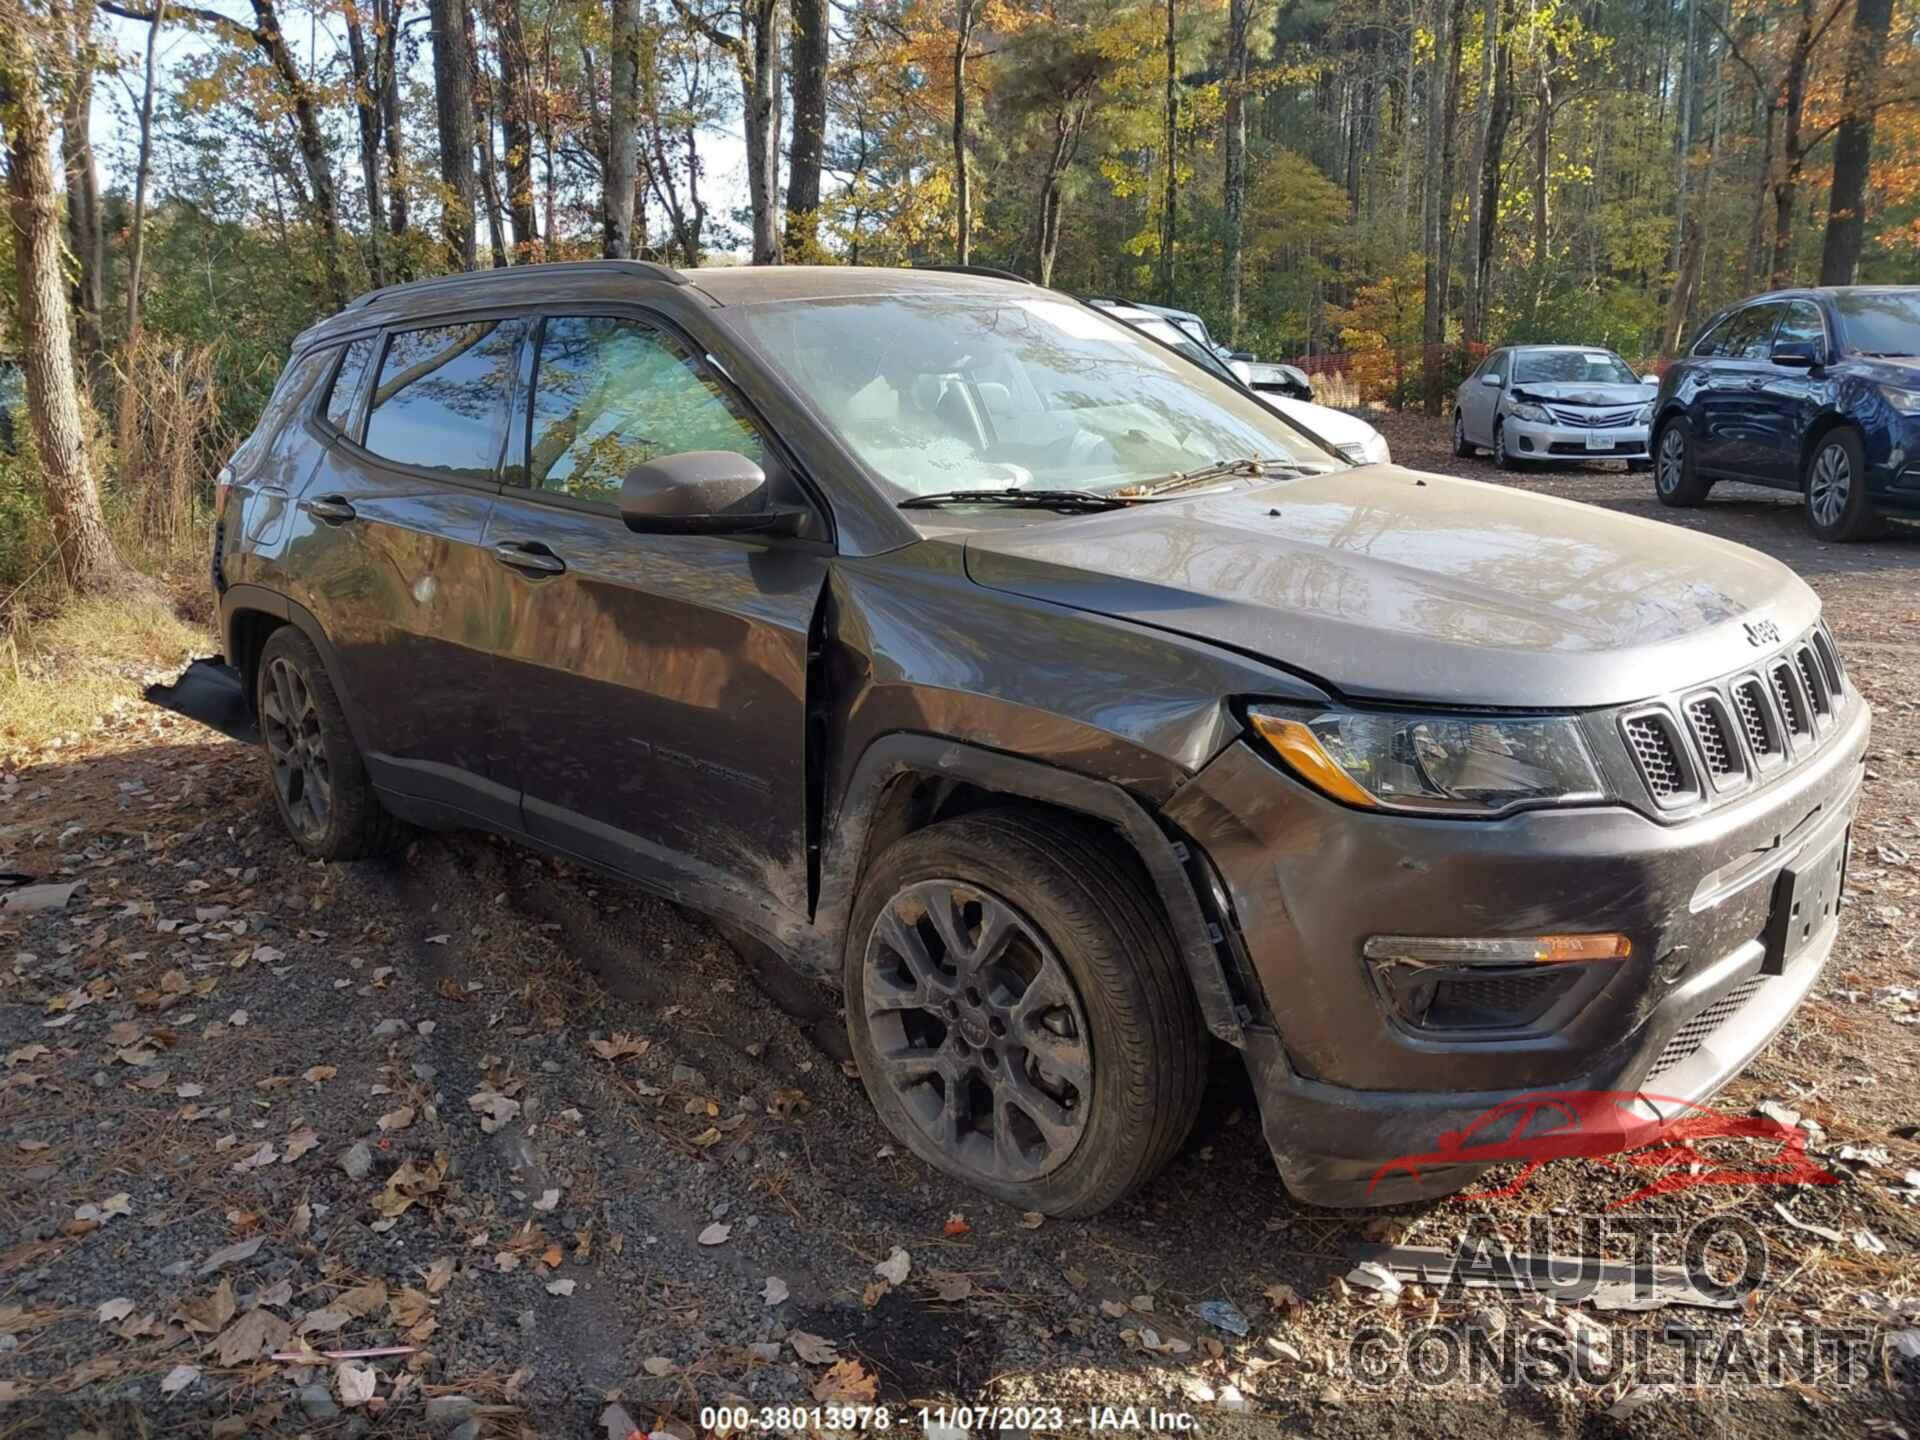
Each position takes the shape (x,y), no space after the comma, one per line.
(1619,447)
(1593,419)
(1656,750)
(1717,745)
(1793,708)
(1761,721)
(1688,1039)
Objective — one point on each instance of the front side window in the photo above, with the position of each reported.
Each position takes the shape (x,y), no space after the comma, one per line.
(1750,333)
(610,394)
(1572,367)
(1501,364)
(441,399)
(346,382)
(1802,326)
(964,391)
(1879,322)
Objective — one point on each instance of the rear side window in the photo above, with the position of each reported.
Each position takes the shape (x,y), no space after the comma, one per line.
(441,400)
(610,394)
(346,382)
(295,386)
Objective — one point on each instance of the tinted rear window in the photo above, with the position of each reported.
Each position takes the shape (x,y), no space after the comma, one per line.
(295,385)
(441,400)
(346,382)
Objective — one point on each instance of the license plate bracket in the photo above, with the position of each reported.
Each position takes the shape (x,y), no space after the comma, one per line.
(1599,440)
(1806,894)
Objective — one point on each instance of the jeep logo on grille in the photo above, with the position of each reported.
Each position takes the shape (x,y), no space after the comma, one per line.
(1762,632)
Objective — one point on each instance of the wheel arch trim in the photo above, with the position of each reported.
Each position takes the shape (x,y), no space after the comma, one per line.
(242,599)
(890,757)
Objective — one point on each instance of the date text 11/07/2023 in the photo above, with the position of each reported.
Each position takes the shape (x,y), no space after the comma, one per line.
(941,1420)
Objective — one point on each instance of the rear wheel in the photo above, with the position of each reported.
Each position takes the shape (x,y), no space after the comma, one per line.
(320,784)
(1019,1012)
(1838,509)
(1460,446)
(1676,480)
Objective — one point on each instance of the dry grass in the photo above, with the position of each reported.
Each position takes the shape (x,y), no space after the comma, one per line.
(1333,387)
(60,675)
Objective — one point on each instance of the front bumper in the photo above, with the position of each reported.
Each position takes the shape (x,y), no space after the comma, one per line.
(1345,1086)
(1533,441)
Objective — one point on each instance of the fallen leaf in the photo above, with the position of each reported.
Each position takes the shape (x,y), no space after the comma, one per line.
(657,1365)
(111,1310)
(620,1046)
(549,1199)
(397,1119)
(715,1234)
(230,1255)
(256,1333)
(814,1349)
(439,1274)
(298,1144)
(355,1383)
(209,1316)
(1032,1220)
(560,1287)
(846,1383)
(178,1378)
(320,1073)
(26,1055)
(265,1155)
(774,1292)
(957,1225)
(952,1287)
(894,1268)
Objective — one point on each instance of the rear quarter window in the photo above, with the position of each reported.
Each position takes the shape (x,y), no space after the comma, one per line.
(346,381)
(290,393)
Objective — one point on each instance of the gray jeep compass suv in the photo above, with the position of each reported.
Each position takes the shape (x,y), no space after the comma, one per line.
(1068,705)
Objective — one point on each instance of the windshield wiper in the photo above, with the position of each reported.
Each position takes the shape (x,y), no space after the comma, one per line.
(1220,470)
(1030,499)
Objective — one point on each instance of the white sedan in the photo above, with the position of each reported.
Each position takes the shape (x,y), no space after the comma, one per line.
(1554,402)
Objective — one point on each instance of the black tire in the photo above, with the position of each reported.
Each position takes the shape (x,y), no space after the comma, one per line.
(1676,480)
(1074,906)
(1461,448)
(1835,485)
(1502,456)
(314,769)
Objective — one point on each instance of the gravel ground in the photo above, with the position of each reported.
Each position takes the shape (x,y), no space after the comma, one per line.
(586,1165)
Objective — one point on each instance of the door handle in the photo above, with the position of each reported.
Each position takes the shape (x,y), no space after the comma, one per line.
(334,509)
(528,555)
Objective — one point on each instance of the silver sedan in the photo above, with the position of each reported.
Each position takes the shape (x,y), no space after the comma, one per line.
(1554,402)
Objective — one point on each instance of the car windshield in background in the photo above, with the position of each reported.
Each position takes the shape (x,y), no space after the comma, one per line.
(945,392)
(1879,322)
(1571,367)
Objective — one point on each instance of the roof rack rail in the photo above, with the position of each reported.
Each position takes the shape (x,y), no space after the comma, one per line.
(639,269)
(987,271)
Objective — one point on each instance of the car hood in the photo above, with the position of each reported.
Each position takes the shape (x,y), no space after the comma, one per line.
(1573,392)
(1336,427)
(1391,585)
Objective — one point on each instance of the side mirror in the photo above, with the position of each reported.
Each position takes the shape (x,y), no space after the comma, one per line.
(702,492)
(1796,354)
(1242,368)
(1492,379)
(1246,355)
(1649,379)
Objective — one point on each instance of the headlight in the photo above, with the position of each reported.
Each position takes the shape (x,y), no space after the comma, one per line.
(1644,415)
(1433,764)
(1370,451)
(1907,402)
(1521,410)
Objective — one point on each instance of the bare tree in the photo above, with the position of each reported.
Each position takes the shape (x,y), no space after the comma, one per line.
(1170,188)
(966,16)
(142,170)
(1235,126)
(516,124)
(1853,144)
(86,552)
(453,103)
(754,51)
(808,86)
(85,233)
(623,131)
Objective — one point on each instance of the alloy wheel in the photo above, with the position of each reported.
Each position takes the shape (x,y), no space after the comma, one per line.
(290,722)
(1673,459)
(978,1030)
(1828,487)
(1459,436)
(1499,444)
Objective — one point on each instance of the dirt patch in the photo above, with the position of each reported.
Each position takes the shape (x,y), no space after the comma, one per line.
(620,1129)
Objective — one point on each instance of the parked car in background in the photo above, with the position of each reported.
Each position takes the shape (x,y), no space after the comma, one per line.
(1347,434)
(1810,390)
(1554,402)
(1270,377)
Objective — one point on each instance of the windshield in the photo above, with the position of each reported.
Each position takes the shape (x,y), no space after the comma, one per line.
(963,391)
(1571,367)
(1879,322)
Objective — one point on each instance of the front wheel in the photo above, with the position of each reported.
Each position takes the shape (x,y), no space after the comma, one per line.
(1461,449)
(1502,456)
(1676,479)
(1836,484)
(1019,1012)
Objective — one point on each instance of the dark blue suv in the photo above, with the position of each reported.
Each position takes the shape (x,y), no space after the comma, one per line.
(1809,390)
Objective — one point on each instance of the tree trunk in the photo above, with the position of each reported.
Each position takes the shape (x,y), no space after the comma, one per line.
(1853,145)
(1786,185)
(1486,204)
(1443,115)
(85,236)
(1686,279)
(962,173)
(366,109)
(1069,123)
(1683,136)
(1477,167)
(1542,160)
(1234,257)
(1170,159)
(516,126)
(809,91)
(386,67)
(142,171)
(86,553)
(760,83)
(323,204)
(623,130)
(453,105)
